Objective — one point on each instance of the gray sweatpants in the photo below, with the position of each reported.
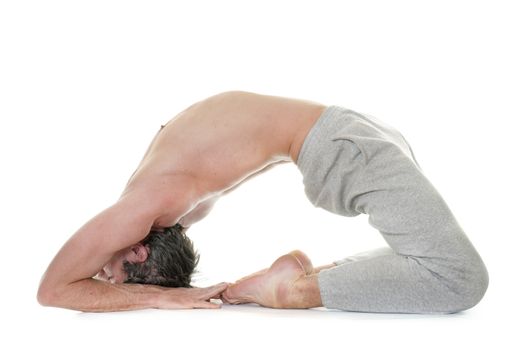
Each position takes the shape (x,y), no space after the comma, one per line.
(354,164)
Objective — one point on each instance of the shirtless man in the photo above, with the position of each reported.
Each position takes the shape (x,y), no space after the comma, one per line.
(351,164)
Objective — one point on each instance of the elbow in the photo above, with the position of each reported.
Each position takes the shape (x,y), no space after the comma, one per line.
(44,297)
(47,295)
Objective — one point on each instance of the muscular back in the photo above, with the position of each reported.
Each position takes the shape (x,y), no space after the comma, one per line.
(217,143)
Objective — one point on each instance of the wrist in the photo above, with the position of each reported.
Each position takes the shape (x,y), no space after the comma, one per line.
(150,297)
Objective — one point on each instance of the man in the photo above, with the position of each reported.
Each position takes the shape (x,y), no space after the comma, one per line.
(351,164)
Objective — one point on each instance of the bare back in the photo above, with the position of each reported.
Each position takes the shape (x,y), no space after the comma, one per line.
(215,144)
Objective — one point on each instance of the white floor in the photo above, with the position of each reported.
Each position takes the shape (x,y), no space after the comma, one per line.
(249,326)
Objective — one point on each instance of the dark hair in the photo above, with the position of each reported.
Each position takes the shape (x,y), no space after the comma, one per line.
(171,260)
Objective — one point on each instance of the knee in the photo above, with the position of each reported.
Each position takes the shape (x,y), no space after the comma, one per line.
(469,289)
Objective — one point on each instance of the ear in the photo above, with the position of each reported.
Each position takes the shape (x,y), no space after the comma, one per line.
(137,253)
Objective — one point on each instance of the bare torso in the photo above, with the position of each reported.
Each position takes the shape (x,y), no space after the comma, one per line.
(216,144)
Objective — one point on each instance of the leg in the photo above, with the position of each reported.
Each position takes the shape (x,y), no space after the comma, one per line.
(291,282)
(354,165)
(431,268)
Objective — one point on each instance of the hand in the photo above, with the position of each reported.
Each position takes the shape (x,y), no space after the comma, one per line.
(190,298)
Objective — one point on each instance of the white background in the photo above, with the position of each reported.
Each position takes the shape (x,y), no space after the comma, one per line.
(85,85)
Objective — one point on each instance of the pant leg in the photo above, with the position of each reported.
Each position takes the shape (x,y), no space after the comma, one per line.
(354,165)
(365,256)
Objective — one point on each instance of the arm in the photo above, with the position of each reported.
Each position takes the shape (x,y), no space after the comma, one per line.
(68,280)
(91,295)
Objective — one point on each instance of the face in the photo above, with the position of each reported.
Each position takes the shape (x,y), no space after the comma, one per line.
(113,271)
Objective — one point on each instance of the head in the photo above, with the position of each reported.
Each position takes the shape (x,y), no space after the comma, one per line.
(166,258)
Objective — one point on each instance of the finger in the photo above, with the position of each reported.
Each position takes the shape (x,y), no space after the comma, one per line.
(219,295)
(209,292)
(233,296)
(206,305)
(225,299)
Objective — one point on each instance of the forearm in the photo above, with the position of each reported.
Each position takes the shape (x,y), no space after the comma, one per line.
(96,296)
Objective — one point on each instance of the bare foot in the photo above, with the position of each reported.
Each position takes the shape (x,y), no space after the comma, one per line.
(304,261)
(274,287)
(300,256)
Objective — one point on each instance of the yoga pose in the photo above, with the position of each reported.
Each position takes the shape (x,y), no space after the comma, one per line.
(351,164)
